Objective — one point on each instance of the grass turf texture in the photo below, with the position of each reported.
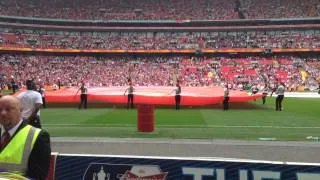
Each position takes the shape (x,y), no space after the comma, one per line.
(299,119)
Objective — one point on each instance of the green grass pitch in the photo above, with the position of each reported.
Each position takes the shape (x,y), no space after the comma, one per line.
(299,119)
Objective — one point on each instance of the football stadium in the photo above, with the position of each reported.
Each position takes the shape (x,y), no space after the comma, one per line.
(161,90)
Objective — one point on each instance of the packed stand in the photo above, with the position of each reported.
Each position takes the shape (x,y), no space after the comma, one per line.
(312,67)
(159,10)
(159,40)
(277,9)
(241,73)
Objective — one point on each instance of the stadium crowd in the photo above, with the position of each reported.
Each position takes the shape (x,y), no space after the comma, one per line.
(160,10)
(159,40)
(161,71)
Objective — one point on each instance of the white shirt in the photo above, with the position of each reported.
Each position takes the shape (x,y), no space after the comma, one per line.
(12,130)
(177,90)
(28,100)
(226,92)
(265,90)
(130,90)
(280,90)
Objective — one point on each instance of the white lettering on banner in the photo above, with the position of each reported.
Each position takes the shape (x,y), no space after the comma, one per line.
(307,176)
(199,172)
(261,175)
(243,175)
(220,174)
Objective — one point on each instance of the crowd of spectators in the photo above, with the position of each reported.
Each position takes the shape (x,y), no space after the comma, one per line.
(160,40)
(160,10)
(161,71)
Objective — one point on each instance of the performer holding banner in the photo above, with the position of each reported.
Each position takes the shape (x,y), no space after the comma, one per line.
(177,91)
(130,90)
(226,98)
(280,97)
(83,96)
(264,94)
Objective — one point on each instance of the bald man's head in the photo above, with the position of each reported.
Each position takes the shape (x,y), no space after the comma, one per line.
(10,111)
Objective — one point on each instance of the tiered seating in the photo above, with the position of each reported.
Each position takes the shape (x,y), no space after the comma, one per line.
(134,41)
(158,71)
(159,10)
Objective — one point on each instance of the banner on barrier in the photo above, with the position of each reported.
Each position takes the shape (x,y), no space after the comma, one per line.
(124,172)
(155,168)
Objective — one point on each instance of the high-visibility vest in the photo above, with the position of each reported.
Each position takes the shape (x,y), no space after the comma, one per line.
(11,176)
(15,156)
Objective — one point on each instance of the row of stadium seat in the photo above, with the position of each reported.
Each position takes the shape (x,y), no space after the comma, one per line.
(161,71)
(161,10)
(190,40)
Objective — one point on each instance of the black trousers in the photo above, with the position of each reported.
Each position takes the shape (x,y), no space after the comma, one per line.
(35,122)
(279,100)
(130,100)
(264,98)
(44,105)
(83,101)
(178,101)
(226,103)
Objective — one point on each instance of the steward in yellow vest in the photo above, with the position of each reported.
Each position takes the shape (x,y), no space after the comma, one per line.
(24,150)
